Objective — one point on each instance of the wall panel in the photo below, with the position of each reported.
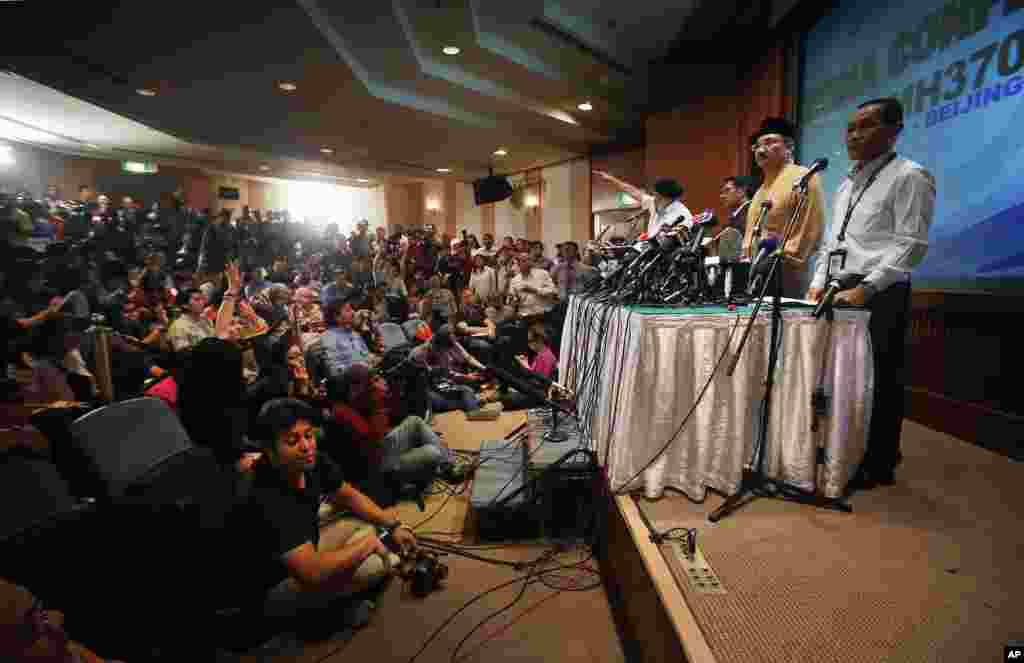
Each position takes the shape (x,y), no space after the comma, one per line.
(558,207)
(707,139)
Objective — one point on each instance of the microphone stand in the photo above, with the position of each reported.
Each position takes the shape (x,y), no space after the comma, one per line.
(754,482)
(755,242)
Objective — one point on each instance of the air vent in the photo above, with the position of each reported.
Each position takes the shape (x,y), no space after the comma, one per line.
(559,33)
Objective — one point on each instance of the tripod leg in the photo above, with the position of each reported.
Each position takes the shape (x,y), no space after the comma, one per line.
(737,499)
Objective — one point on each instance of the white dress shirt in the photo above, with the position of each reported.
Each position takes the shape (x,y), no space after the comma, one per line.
(672,211)
(888,232)
(484,282)
(540,301)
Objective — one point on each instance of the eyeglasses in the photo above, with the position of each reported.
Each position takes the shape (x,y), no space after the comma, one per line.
(766,144)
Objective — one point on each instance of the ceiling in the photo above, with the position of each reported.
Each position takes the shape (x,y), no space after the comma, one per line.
(372,82)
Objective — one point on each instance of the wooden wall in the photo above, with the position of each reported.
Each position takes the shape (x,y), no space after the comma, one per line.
(707,139)
(962,347)
(627,165)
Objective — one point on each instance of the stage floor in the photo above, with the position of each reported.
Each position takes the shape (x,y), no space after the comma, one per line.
(925,570)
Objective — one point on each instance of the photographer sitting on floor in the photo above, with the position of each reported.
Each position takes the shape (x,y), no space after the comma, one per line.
(452,368)
(409,453)
(303,572)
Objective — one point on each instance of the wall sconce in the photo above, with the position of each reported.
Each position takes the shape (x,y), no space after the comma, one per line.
(433,205)
(531,200)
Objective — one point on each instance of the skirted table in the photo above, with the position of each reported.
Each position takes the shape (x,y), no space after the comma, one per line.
(637,371)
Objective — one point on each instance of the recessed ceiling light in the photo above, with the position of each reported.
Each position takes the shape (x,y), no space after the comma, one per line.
(451,50)
(146,92)
(288,87)
(326,150)
(444,170)
(500,152)
(586,106)
(363,180)
(264,167)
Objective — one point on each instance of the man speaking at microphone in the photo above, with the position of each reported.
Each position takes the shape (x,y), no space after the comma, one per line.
(665,206)
(773,145)
(881,217)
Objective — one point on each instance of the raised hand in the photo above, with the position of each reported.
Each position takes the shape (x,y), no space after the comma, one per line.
(234,273)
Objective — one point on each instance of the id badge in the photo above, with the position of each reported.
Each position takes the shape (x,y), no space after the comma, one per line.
(836,264)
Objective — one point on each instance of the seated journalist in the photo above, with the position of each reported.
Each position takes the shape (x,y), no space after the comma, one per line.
(301,570)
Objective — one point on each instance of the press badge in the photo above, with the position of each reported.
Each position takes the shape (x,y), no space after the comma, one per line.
(836,264)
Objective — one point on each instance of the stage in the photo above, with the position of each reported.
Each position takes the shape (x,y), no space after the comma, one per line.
(925,570)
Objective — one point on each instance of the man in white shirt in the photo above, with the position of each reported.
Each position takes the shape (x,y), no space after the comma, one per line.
(533,288)
(483,281)
(665,206)
(191,327)
(881,217)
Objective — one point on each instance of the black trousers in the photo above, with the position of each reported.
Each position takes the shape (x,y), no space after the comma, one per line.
(890,312)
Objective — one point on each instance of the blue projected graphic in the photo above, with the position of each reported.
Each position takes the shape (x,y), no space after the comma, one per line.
(958,68)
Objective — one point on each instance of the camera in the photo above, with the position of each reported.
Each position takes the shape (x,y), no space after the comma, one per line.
(427,574)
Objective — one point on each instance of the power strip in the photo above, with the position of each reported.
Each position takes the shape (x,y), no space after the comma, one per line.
(701,578)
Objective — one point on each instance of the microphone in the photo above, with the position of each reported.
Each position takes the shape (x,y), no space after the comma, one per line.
(837,285)
(817,166)
(729,241)
(706,218)
(767,246)
(729,244)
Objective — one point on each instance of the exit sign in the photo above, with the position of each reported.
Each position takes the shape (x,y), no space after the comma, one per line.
(139,167)
(626,200)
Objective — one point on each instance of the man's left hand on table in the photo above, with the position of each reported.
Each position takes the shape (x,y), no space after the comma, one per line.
(853,297)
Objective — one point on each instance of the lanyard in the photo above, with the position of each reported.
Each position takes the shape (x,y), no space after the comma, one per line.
(852,205)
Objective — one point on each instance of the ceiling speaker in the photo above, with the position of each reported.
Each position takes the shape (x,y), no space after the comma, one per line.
(491,189)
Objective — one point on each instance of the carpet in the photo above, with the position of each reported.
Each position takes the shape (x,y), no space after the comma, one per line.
(923,571)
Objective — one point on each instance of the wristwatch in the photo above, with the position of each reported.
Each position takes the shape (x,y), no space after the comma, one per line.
(870,290)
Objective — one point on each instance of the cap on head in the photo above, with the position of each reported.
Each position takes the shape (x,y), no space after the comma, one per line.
(774,125)
(668,188)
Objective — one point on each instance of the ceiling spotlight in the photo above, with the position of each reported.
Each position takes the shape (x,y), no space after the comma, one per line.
(146,92)
(264,167)
(288,87)
(444,170)
(363,180)
(326,150)
(500,152)
(451,50)
(586,106)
